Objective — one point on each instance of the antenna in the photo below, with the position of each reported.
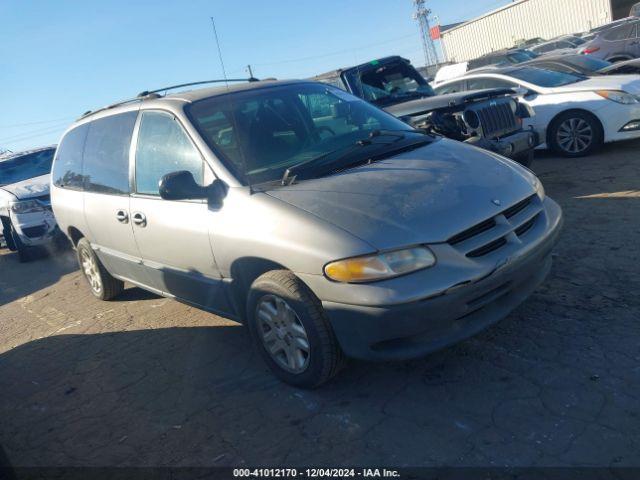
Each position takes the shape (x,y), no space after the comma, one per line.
(215,35)
(422,16)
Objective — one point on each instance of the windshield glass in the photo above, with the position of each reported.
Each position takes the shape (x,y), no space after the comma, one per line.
(259,133)
(385,84)
(19,168)
(545,78)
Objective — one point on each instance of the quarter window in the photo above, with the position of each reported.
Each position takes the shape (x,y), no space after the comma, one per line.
(67,168)
(163,147)
(106,154)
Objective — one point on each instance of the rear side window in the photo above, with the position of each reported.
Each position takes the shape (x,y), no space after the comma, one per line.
(67,168)
(619,33)
(106,154)
(163,147)
(482,83)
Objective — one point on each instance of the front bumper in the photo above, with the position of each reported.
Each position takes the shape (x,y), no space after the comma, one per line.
(511,146)
(37,228)
(413,329)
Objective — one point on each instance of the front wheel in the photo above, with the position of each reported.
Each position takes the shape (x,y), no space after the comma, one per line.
(575,134)
(103,285)
(20,248)
(290,329)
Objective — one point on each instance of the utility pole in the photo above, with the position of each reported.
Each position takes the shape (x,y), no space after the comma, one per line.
(421,14)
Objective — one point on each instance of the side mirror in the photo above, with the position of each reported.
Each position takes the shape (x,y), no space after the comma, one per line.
(181,186)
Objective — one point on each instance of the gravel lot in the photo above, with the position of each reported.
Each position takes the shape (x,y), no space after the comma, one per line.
(148,381)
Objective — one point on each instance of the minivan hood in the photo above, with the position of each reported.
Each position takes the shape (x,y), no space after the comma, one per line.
(627,83)
(422,196)
(32,187)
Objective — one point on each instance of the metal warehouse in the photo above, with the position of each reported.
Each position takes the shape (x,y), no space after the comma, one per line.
(524,19)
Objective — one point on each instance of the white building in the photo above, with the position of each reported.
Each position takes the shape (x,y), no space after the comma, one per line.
(525,19)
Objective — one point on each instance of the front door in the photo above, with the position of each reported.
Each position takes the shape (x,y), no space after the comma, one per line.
(173,236)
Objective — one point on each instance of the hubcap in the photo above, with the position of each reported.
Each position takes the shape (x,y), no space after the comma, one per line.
(283,334)
(575,135)
(91,272)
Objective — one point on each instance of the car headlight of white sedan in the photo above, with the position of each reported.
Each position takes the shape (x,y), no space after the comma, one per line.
(369,268)
(619,96)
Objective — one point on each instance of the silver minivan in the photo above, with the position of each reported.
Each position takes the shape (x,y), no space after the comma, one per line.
(328,226)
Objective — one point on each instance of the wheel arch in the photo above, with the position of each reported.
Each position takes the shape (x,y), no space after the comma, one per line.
(74,235)
(618,57)
(244,271)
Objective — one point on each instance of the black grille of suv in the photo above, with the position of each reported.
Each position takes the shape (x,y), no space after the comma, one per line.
(496,117)
(494,233)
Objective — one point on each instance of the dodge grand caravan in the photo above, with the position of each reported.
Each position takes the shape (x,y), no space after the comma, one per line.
(328,226)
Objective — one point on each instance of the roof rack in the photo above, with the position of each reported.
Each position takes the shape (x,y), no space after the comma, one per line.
(148,94)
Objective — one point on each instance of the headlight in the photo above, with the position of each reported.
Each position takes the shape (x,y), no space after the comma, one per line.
(26,206)
(618,96)
(540,189)
(380,266)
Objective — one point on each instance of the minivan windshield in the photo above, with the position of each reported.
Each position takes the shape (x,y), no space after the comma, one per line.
(23,167)
(261,132)
(385,84)
(545,78)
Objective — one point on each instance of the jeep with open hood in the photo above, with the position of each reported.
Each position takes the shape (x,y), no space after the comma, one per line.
(490,119)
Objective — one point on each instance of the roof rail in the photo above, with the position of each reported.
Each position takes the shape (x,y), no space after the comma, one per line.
(147,94)
(173,87)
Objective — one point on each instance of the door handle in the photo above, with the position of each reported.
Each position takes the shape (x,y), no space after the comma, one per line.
(139,219)
(122,216)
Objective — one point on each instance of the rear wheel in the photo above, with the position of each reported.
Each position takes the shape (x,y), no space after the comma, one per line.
(290,329)
(103,285)
(575,134)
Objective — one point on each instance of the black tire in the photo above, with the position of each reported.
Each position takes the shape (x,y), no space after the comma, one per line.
(563,121)
(104,286)
(20,248)
(525,159)
(325,357)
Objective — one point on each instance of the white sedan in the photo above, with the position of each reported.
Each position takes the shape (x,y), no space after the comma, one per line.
(573,113)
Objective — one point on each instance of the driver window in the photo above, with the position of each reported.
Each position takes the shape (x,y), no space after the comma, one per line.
(163,147)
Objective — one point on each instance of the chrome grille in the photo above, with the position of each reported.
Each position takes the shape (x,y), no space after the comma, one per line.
(496,118)
(496,232)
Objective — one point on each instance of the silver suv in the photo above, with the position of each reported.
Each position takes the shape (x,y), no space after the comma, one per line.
(328,226)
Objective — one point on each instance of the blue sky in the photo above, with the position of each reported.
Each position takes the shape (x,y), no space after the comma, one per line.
(61,58)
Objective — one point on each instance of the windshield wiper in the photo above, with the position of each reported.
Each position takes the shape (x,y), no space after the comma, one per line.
(386,154)
(290,173)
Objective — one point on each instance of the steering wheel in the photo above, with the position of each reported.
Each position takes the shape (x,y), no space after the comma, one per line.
(325,128)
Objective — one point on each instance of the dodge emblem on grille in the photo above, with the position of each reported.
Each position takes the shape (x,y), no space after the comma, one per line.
(496,202)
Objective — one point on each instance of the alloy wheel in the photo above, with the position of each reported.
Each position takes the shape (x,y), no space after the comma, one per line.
(91,271)
(575,135)
(282,334)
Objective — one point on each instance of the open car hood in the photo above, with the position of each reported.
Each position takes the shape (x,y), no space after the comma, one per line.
(453,101)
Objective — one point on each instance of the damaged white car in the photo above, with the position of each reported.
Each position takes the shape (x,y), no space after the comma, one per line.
(25,206)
